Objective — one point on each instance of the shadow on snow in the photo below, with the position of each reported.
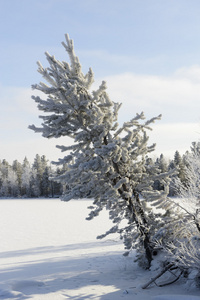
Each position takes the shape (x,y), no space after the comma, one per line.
(68,274)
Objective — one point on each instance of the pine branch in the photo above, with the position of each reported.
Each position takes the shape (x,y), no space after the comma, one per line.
(107,166)
(187,212)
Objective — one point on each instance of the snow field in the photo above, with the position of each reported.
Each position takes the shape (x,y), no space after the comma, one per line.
(49,251)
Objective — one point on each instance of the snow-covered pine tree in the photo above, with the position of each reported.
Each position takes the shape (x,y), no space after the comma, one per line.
(180,166)
(106,163)
(162,166)
(17,168)
(26,178)
(184,247)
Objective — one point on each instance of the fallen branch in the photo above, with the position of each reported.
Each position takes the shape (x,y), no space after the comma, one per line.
(168,267)
(168,283)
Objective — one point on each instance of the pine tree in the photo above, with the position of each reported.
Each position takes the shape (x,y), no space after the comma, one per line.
(184,247)
(37,177)
(4,168)
(26,178)
(106,163)
(10,187)
(57,187)
(46,185)
(13,184)
(4,174)
(35,184)
(179,164)
(195,148)
(162,167)
(17,168)
(25,162)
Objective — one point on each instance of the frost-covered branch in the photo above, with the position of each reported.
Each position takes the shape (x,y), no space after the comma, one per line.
(109,163)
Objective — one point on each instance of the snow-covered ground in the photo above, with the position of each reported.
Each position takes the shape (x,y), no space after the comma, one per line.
(49,251)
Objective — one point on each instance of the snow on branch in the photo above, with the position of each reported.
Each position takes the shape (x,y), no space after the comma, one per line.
(107,164)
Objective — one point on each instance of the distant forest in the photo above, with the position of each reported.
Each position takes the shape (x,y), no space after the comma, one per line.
(29,180)
(34,180)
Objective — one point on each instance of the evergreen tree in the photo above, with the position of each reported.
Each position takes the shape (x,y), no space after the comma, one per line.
(184,248)
(162,167)
(4,168)
(25,163)
(17,168)
(4,191)
(26,178)
(179,164)
(37,175)
(46,185)
(57,187)
(195,148)
(106,163)
(1,176)
(10,186)
(13,185)
(35,184)
(45,177)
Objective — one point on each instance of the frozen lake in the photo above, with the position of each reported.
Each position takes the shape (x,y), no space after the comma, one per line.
(49,251)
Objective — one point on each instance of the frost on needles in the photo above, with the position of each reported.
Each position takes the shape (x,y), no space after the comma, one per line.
(105,162)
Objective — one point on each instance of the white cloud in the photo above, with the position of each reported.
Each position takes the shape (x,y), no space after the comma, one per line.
(18,111)
(32,145)
(17,99)
(174,136)
(191,74)
(176,97)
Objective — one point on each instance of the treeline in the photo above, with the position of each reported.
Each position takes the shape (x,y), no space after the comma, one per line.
(180,163)
(29,180)
(34,180)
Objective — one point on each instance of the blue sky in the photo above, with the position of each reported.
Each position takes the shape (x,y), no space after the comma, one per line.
(148,51)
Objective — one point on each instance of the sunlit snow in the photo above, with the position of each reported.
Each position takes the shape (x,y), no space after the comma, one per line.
(49,251)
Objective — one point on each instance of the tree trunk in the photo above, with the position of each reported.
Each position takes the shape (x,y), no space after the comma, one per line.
(137,214)
(141,225)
